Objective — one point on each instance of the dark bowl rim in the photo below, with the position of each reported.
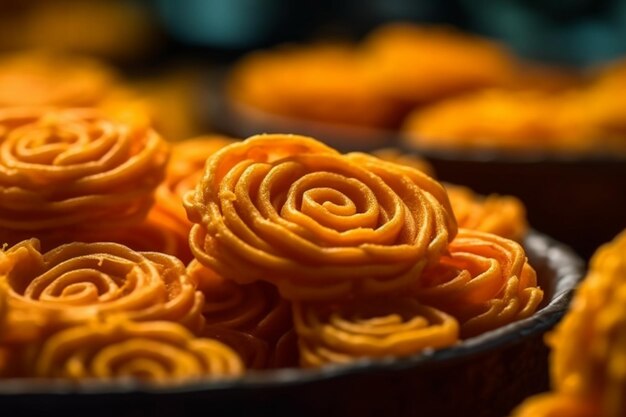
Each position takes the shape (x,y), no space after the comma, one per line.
(568,267)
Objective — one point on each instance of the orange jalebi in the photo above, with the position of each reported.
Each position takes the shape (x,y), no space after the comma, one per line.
(319,225)
(417,64)
(47,79)
(485,282)
(79,281)
(557,405)
(75,169)
(156,351)
(589,345)
(184,170)
(370,328)
(250,318)
(504,216)
(320,82)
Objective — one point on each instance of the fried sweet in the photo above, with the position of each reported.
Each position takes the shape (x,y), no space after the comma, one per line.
(75,169)
(319,225)
(504,120)
(47,79)
(79,281)
(485,282)
(501,215)
(370,328)
(250,318)
(418,64)
(411,160)
(557,405)
(589,345)
(321,82)
(184,170)
(156,351)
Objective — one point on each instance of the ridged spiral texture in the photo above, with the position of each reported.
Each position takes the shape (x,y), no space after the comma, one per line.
(250,318)
(319,225)
(485,282)
(370,329)
(157,351)
(504,216)
(589,345)
(47,79)
(557,405)
(75,168)
(78,281)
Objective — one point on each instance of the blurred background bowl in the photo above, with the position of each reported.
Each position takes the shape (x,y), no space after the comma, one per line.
(483,376)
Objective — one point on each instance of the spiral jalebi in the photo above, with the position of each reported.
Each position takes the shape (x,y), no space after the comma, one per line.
(183,172)
(76,282)
(156,351)
(251,318)
(319,225)
(504,216)
(370,329)
(589,345)
(485,282)
(75,169)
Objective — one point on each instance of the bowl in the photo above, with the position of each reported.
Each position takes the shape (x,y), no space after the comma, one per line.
(482,376)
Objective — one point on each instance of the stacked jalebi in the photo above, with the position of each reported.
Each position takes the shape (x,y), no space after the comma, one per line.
(485,282)
(166,227)
(324,83)
(370,328)
(589,345)
(319,225)
(117,348)
(419,64)
(251,318)
(76,282)
(48,79)
(501,215)
(75,169)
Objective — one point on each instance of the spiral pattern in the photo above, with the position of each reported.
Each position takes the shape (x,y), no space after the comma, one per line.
(184,171)
(589,345)
(370,328)
(504,216)
(45,79)
(319,225)
(78,281)
(154,351)
(74,168)
(557,405)
(485,282)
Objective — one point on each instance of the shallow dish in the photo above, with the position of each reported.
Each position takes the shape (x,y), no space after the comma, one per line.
(482,376)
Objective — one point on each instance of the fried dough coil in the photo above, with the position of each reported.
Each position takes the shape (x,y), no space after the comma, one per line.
(485,282)
(370,329)
(589,345)
(79,281)
(157,351)
(319,225)
(501,215)
(75,169)
(250,318)
(184,170)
